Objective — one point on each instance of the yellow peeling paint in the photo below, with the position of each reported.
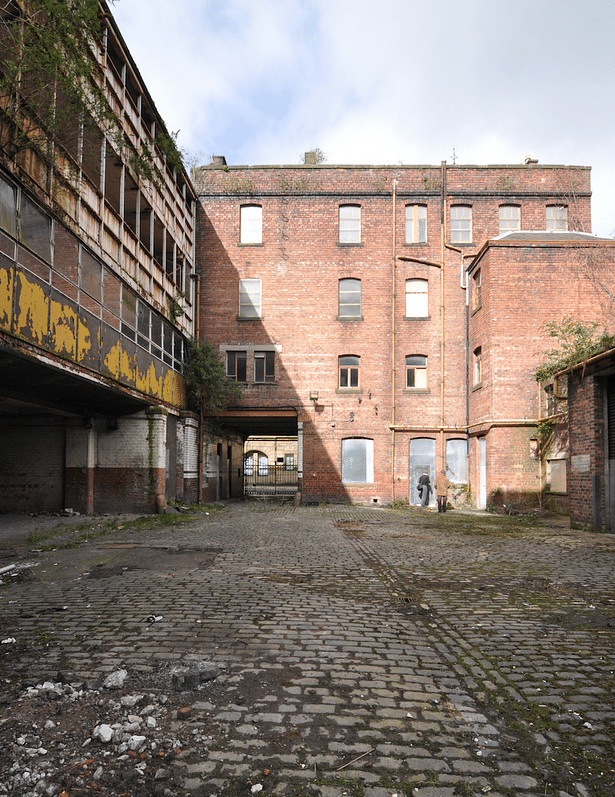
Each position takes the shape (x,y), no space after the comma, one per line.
(84,339)
(6,297)
(32,312)
(142,380)
(112,361)
(62,326)
(128,368)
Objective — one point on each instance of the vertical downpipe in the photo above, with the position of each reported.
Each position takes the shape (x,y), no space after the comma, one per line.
(393,342)
(442,325)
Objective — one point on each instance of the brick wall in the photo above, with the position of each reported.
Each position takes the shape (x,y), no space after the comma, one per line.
(300,262)
(586,463)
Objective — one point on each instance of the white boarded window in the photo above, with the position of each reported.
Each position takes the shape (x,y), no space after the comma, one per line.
(557,218)
(250,298)
(417,304)
(510,218)
(461,224)
(251,224)
(457,461)
(416,224)
(357,460)
(350,224)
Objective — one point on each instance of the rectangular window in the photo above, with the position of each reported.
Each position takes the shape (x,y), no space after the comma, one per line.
(236,365)
(248,465)
(349,371)
(461,224)
(8,208)
(556,218)
(357,460)
(129,313)
(350,224)
(289,461)
(416,224)
(478,366)
(264,366)
(251,224)
(249,298)
(510,218)
(457,461)
(416,371)
(35,228)
(349,296)
(476,290)
(417,300)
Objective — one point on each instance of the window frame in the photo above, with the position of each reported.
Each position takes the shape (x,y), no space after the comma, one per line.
(251,298)
(477,366)
(461,224)
(345,371)
(477,290)
(345,288)
(250,229)
(367,464)
(416,365)
(267,374)
(505,227)
(237,365)
(414,282)
(349,224)
(555,222)
(416,224)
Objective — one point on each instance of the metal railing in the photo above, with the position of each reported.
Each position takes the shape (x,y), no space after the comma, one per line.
(273,480)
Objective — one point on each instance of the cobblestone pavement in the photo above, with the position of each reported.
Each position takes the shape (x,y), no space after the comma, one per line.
(363,651)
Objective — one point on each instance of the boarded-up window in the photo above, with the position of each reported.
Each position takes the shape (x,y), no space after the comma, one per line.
(457,461)
(358,460)
(249,298)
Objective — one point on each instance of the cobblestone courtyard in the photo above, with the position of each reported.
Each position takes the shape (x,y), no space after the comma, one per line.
(360,651)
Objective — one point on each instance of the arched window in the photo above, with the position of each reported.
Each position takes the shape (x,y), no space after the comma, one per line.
(457,461)
(350,224)
(349,295)
(251,227)
(509,218)
(557,218)
(417,299)
(461,224)
(357,460)
(416,224)
(349,367)
(416,371)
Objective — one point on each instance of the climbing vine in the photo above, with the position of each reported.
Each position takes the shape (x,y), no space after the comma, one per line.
(577,342)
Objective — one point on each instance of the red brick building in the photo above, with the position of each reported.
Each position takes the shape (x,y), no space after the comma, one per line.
(378,313)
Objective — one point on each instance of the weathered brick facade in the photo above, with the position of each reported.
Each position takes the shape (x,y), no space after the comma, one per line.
(408,421)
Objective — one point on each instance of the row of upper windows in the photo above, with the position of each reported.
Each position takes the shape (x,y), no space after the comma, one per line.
(349,372)
(349,298)
(349,369)
(251,227)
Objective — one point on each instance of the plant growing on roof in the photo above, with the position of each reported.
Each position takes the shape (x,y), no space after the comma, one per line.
(577,342)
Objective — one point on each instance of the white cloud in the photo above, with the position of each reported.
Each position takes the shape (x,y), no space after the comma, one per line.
(384,81)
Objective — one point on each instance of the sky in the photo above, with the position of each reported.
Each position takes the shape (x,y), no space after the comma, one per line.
(385,81)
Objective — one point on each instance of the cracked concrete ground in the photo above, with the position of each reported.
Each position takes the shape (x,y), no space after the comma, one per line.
(362,650)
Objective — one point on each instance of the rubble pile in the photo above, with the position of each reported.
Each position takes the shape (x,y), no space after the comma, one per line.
(64,738)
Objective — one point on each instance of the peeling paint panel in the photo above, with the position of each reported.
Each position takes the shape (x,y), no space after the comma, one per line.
(110,351)
(128,362)
(31,309)
(62,327)
(88,340)
(7,274)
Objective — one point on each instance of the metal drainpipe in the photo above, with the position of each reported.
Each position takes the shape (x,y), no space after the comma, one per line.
(442,272)
(393,342)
